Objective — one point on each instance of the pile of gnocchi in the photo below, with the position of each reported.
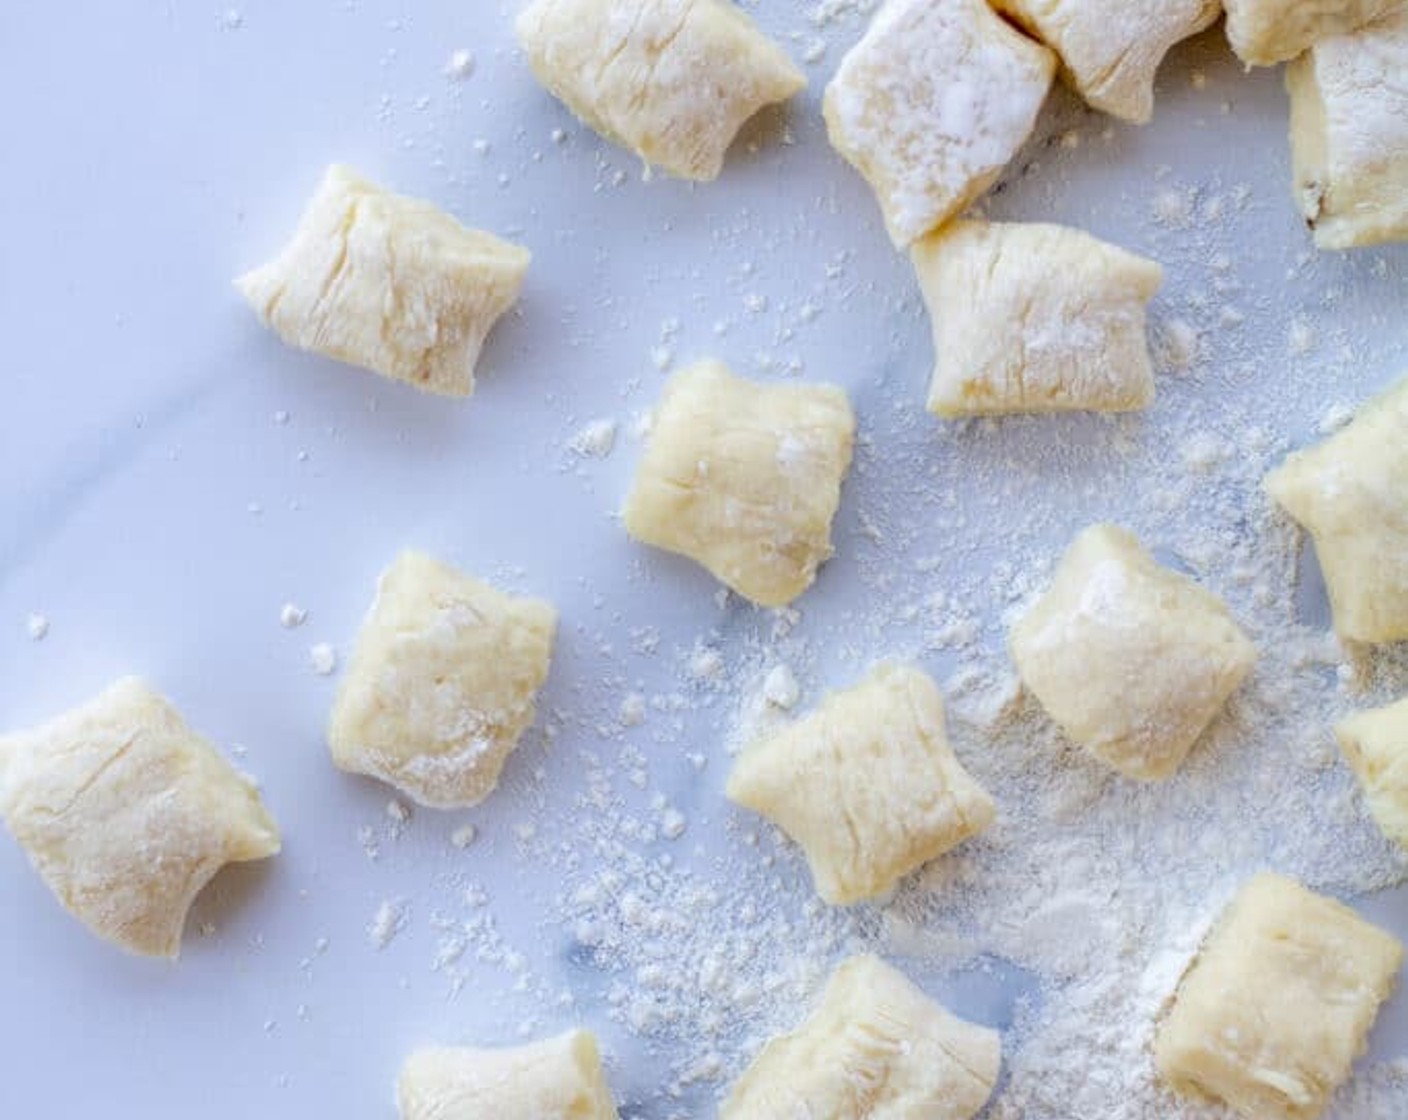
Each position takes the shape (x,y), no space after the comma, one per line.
(126,812)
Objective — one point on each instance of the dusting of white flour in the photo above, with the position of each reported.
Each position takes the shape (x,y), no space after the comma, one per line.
(632,897)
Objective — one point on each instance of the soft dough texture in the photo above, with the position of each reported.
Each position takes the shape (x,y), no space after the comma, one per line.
(1265,32)
(557,1079)
(1375,744)
(1035,318)
(1277,1006)
(441,684)
(878,1048)
(867,785)
(1133,661)
(673,80)
(744,479)
(388,283)
(1350,493)
(932,104)
(1349,135)
(127,813)
(1111,49)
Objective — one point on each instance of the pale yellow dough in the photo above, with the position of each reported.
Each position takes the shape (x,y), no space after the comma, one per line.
(867,785)
(744,479)
(442,683)
(1271,1015)
(1035,318)
(1133,661)
(126,813)
(556,1079)
(1375,743)
(1349,134)
(1265,32)
(932,104)
(388,283)
(878,1048)
(1350,493)
(1111,49)
(673,80)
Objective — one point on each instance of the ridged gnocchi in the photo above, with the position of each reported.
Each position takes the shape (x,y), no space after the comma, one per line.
(1030,317)
(441,684)
(1271,1015)
(867,784)
(126,813)
(557,1079)
(673,80)
(878,1047)
(1133,661)
(389,283)
(744,479)
(932,104)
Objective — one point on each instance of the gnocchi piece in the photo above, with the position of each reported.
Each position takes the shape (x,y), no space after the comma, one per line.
(932,104)
(1349,134)
(556,1079)
(867,785)
(1375,744)
(1109,50)
(1271,1015)
(441,684)
(1349,493)
(878,1048)
(388,283)
(1131,660)
(126,813)
(1265,32)
(673,80)
(1035,318)
(744,479)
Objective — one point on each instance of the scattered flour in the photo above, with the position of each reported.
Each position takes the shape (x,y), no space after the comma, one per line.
(323,658)
(464,836)
(595,440)
(390,918)
(398,813)
(780,688)
(460,65)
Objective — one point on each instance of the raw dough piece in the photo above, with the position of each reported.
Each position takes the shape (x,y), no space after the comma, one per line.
(867,785)
(1349,135)
(1133,661)
(932,104)
(878,1048)
(1035,318)
(126,813)
(1111,49)
(1350,493)
(556,1079)
(388,283)
(441,684)
(1265,32)
(1376,746)
(673,80)
(744,479)
(1277,1006)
